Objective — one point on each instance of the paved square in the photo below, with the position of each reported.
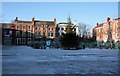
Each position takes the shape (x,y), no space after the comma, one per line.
(26,60)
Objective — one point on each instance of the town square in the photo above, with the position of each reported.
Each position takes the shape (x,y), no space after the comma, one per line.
(60,38)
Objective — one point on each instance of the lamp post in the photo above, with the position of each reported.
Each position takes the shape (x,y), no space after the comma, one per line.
(33,32)
(109,40)
(44,37)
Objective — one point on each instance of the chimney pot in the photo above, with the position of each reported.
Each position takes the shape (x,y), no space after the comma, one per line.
(33,19)
(97,24)
(55,20)
(16,19)
(108,19)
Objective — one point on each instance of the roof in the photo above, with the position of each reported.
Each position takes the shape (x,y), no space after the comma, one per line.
(44,22)
(117,19)
(7,25)
(21,21)
(63,23)
(100,25)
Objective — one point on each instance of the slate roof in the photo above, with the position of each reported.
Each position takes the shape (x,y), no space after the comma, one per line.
(63,23)
(21,21)
(44,22)
(100,25)
(117,19)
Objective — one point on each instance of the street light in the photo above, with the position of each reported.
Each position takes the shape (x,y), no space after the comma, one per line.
(44,32)
(109,40)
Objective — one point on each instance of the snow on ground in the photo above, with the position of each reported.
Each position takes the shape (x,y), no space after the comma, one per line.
(26,60)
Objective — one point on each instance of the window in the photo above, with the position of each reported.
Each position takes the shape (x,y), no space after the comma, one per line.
(6,33)
(23,41)
(23,34)
(29,40)
(10,33)
(35,28)
(18,41)
(52,28)
(29,28)
(37,33)
(18,27)
(48,28)
(18,33)
(23,27)
(48,34)
(51,34)
(29,34)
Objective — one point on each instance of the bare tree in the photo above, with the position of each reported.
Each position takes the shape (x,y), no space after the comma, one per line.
(84,30)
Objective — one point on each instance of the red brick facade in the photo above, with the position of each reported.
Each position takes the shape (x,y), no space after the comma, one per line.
(101,30)
(27,31)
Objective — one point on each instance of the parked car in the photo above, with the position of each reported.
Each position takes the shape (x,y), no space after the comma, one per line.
(36,46)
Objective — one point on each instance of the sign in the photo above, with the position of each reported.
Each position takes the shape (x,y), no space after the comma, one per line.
(48,43)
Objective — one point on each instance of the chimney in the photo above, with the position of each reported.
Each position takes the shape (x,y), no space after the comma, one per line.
(33,19)
(108,19)
(16,19)
(96,24)
(55,20)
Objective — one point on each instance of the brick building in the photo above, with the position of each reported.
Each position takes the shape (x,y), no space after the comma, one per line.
(101,31)
(8,33)
(24,32)
(45,28)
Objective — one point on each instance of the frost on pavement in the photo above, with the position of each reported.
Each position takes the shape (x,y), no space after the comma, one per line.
(26,60)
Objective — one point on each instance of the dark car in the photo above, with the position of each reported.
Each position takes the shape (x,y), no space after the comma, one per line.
(36,45)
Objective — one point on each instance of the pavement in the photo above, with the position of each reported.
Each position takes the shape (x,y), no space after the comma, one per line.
(26,60)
